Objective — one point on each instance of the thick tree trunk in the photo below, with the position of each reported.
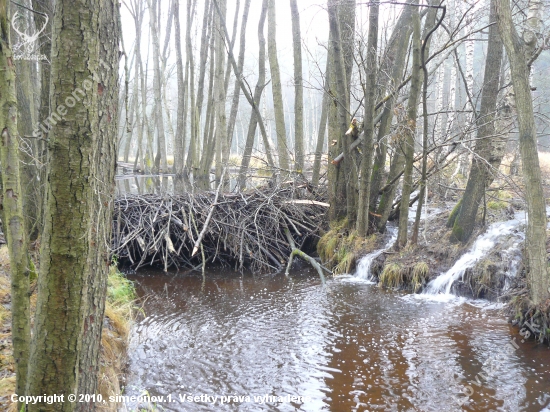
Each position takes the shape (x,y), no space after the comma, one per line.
(369,90)
(298,90)
(76,231)
(193,157)
(12,205)
(280,128)
(103,188)
(488,149)
(516,49)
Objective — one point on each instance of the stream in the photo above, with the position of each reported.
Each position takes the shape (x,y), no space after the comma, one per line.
(235,342)
(347,347)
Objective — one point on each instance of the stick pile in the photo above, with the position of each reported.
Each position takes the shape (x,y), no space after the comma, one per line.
(239,229)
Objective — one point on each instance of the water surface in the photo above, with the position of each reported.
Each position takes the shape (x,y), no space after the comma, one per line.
(348,347)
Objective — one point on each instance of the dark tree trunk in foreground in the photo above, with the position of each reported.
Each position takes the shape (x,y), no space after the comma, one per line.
(104,166)
(74,264)
(516,49)
(488,150)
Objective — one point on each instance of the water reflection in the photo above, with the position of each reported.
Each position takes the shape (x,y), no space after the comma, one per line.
(350,347)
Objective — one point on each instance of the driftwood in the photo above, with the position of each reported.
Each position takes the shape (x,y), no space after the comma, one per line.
(244,230)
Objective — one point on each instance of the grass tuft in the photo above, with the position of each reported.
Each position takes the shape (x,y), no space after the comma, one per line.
(391,276)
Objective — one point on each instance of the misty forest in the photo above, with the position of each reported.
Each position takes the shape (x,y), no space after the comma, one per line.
(283,205)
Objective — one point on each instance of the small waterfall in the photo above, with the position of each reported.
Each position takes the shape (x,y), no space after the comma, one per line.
(483,244)
(364,265)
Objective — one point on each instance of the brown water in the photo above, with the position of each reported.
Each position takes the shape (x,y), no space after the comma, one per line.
(348,347)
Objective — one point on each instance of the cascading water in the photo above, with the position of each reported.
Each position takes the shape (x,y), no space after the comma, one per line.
(363,267)
(483,245)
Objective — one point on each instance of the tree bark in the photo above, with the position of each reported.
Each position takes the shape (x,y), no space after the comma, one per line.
(179,144)
(488,149)
(240,65)
(245,163)
(12,205)
(160,159)
(341,86)
(394,63)
(322,130)
(369,90)
(103,189)
(516,49)
(298,89)
(410,131)
(280,128)
(77,216)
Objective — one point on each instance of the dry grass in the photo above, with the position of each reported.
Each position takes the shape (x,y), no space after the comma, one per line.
(420,273)
(391,276)
(340,247)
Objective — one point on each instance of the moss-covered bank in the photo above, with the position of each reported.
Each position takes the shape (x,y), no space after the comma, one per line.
(498,276)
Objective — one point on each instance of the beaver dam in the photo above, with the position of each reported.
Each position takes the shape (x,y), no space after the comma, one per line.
(257,229)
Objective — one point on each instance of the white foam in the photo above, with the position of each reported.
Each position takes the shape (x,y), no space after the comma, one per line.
(483,245)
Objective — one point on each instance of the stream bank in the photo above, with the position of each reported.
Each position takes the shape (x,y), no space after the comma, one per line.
(119,315)
(490,266)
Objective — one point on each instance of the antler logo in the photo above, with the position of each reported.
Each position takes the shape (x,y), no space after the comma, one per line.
(27,45)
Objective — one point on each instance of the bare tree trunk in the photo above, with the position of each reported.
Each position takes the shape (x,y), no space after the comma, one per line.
(298,89)
(518,52)
(179,144)
(221,138)
(369,91)
(342,99)
(245,163)
(160,160)
(488,149)
(410,131)
(429,28)
(280,128)
(103,188)
(394,63)
(77,217)
(12,205)
(322,130)
(240,65)
(193,158)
